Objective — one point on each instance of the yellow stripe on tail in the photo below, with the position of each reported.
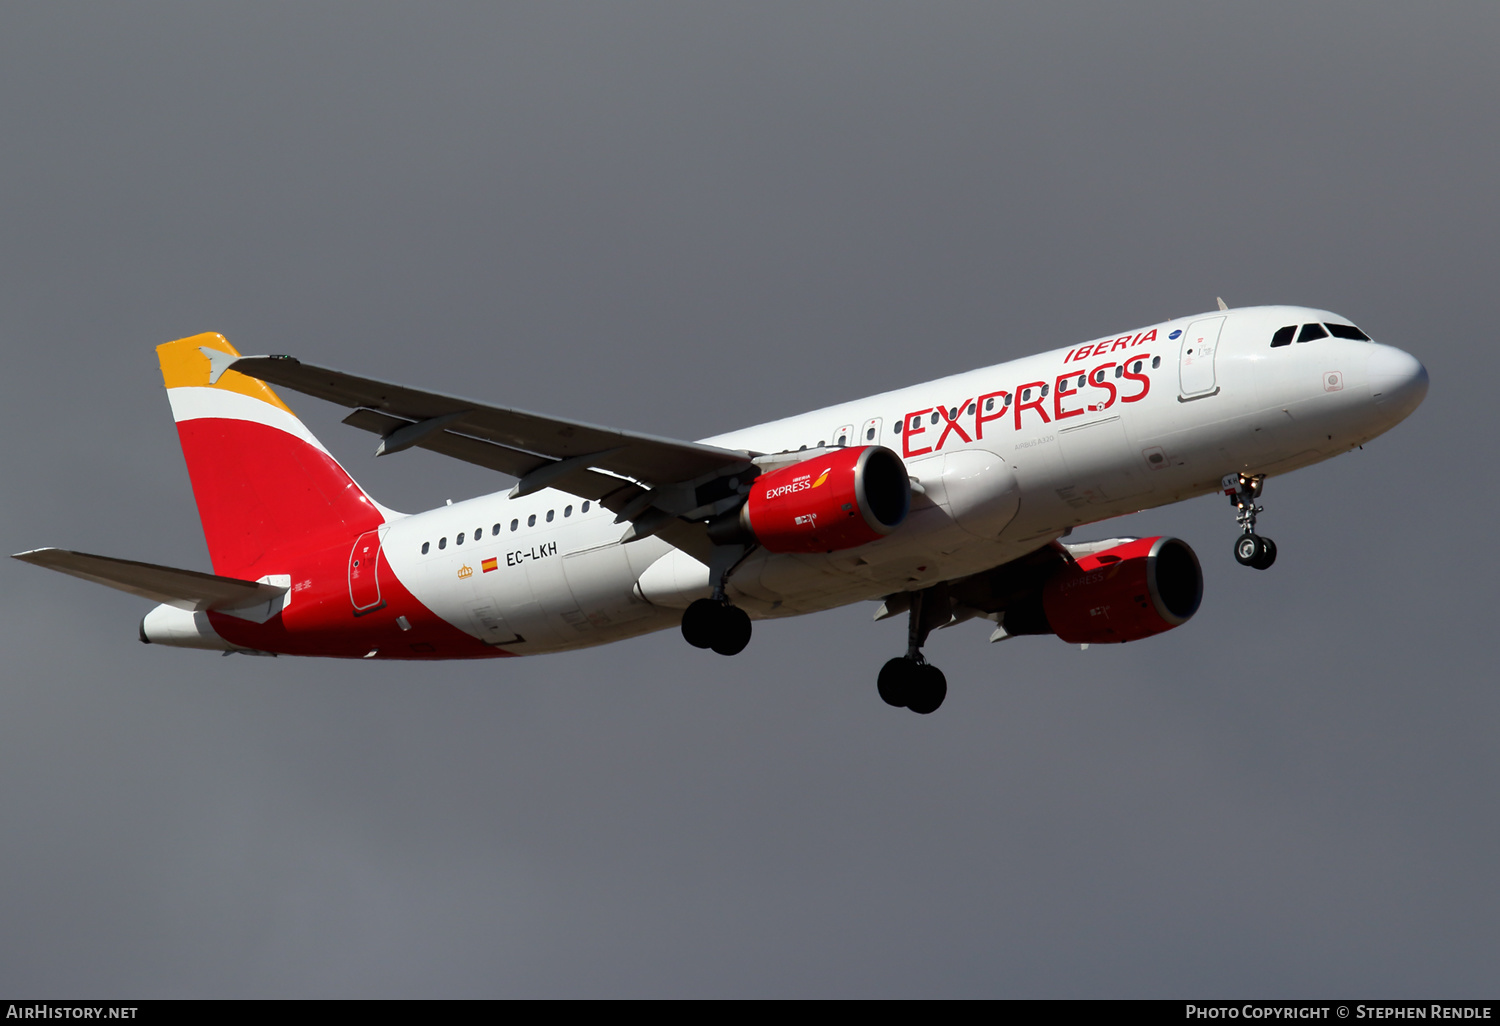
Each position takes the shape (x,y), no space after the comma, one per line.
(183,364)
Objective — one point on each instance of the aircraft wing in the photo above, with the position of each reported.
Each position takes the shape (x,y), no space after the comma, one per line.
(185,589)
(647,480)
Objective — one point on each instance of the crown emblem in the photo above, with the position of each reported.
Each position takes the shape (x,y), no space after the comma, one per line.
(465,571)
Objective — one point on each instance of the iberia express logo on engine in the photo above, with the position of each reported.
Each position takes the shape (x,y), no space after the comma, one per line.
(800,483)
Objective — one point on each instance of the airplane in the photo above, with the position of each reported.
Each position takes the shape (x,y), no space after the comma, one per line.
(946,501)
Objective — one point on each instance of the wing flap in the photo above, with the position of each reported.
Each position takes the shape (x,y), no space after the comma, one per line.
(184,589)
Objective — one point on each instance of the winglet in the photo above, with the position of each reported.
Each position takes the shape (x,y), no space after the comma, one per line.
(207,361)
(218,362)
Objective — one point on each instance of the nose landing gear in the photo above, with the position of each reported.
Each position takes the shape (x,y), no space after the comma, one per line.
(910,681)
(1250,549)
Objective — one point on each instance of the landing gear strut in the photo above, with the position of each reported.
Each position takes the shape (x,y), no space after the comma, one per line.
(910,681)
(713,622)
(1250,549)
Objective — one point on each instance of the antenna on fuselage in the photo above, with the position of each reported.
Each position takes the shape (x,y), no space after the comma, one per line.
(1222,305)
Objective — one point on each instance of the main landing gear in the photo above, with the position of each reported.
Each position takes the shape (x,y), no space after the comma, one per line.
(713,622)
(1250,549)
(910,681)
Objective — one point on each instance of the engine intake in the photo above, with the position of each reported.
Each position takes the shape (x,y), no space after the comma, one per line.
(840,500)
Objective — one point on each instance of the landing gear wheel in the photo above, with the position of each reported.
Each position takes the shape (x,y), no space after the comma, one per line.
(716,625)
(1249,549)
(1254,551)
(1268,556)
(732,632)
(928,690)
(699,623)
(894,683)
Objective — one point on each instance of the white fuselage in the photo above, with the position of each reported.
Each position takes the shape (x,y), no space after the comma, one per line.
(1006,459)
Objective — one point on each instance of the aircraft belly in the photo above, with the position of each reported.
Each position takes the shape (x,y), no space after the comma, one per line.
(601,581)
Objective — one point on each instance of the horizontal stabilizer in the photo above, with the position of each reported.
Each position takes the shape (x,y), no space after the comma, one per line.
(184,589)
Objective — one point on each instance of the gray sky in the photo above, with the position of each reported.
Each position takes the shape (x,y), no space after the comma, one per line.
(683,219)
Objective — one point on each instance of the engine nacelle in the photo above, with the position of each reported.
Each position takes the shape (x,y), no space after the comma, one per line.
(1126,593)
(836,501)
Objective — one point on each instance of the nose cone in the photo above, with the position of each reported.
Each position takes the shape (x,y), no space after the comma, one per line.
(1398,381)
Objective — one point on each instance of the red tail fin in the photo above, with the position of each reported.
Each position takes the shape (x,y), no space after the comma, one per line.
(266,488)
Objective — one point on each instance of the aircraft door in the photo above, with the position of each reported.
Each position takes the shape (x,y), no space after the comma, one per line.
(364,573)
(1195,359)
(844,436)
(870,433)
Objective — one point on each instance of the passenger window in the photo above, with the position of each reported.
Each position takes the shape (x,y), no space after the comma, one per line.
(899,425)
(549,516)
(934,417)
(1283,336)
(495,530)
(425,547)
(585,507)
(1119,370)
(989,404)
(478,533)
(1310,332)
(531,520)
(970,410)
(869,434)
(1026,394)
(514,524)
(1347,331)
(460,539)
(1155,362)
(442,543)
(1137,366)
(567,511)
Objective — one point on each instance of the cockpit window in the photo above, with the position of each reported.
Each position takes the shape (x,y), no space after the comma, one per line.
(1310,332)
(1283,336)
(1347,331)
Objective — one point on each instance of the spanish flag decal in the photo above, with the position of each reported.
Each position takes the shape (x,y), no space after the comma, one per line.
(489,564)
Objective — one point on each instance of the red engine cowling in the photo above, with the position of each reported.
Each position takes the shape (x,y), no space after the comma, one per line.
(836,501)
(1126,593)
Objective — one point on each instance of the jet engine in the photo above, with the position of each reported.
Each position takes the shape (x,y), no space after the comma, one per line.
(837,500)
(1125,593)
